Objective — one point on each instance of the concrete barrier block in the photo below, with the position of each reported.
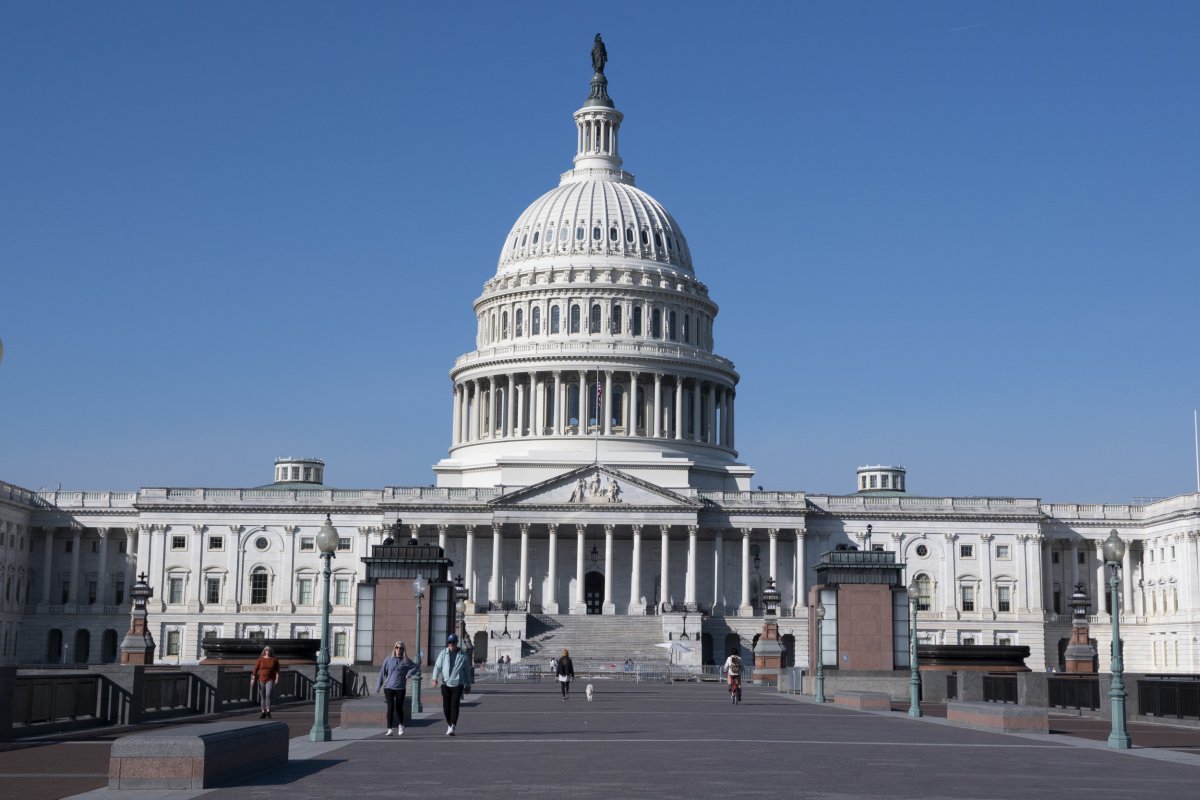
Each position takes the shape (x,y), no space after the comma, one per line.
(1003,717)
(863,701)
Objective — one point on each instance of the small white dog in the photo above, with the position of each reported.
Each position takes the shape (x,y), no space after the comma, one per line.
(588,692)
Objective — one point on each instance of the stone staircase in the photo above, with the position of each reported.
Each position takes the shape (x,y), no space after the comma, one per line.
(595,639)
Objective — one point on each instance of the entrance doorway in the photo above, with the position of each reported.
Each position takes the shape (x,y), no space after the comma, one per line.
(593,592)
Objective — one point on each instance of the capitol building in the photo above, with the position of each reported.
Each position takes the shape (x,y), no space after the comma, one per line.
(592,471)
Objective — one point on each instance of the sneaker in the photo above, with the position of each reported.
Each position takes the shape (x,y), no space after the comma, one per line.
(400,731)
(450,731)
(388,732)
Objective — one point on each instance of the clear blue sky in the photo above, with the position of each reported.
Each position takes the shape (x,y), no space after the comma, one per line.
(959,236)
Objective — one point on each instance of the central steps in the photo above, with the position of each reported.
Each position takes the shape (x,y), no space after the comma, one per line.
(595,638)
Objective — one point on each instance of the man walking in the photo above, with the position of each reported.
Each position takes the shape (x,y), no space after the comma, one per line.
(452,669)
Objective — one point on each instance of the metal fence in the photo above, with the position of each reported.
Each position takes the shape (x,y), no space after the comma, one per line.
(1077,692)
(1000,688)
(1169,697)
(165,691)
(39,699)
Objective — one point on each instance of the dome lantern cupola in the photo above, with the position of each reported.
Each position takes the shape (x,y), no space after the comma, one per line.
(598,121)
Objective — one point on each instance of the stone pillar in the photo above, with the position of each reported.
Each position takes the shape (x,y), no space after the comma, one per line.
(1101,590)
(609,606)
(496,587)
(657,429)
(1127,573)
(523,583)
(631,423)
(510,397)
(678,406)
(664,571)
(579,606)
(196,590)
(710,403)
(1074,570)
(558,403)
(1033,573)
(441,529)
(519,420)
(73,586)
(732,424)
(103,592)
(47,563)
(457,418)
(689,590)
(800,598)
(550,604)
(950,576)
(1047,552)
(131,548)
(493,408)
(470,563)
(636,604)
(772,553)
(1021,601)
(582,428)
(985,568)
(745,609)
(697,421)
(608,403)
(718,603)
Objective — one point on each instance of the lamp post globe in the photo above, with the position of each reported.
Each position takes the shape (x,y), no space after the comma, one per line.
(327,543)
(914,681)
(1114,552)
(820,695)
(418,586)
(460,606)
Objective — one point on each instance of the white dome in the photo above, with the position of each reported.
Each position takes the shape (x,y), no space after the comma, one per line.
(601,214)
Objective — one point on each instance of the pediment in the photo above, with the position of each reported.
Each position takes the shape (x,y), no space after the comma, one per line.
(596,487)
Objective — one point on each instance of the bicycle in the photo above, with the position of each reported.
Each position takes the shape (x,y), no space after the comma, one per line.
(735,688)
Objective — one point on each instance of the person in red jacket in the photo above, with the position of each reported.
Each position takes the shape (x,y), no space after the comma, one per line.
(266,672)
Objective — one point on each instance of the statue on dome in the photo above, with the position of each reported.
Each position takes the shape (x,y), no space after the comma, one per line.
(599,55)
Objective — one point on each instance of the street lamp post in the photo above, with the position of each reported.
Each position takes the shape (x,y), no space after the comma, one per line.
(1114,551)
(820,696)
(914,681)
(327,543)
(419,593)
(460,605)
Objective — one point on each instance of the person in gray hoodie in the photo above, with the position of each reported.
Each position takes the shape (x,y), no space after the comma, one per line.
(393,678)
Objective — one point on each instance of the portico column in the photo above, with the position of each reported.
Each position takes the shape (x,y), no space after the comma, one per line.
(609,606)
(131,547)
(608,402)
(469,566)
(636,606)
(657,405)
(1047,551)
(196,590)
(580,606)
(1033,572)
(519,420)
(558,404)
(664,576)
(745,609)
(535,404)
(1127,573)
(689,589)
(47,563)
(631,423)
(1074,573)
(582,428)
(523,584)
(454,425)
(985,567)
(772,552)
(710,402)
(800,598)
(1021,602)
(73,587)
(510,398)
(1101,589)
(949,579)
(627,407)
(697,417)
(441,529)
(718,602)
(732,424)
(495,588)
(550,605)
(678,406)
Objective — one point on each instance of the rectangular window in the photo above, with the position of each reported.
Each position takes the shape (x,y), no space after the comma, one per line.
(968,598)
(216,543)
(212,590)
(339,644)
(172,643)
(1082,558)
(342,592)
(303,635)
(344,544)
(966,551)
(256,635)
(1004,641)
(66,591)
(968,640)
(1053,556)
(304,593)
(121,547)
(1003,552)
(307,544)
(96,547)
(1003,598)
(885,481)
(92,593)
(68,546)
(179,543)
(873,479)
(175,591)
(120,598)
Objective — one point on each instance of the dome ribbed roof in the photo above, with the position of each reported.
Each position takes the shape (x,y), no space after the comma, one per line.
(605,215)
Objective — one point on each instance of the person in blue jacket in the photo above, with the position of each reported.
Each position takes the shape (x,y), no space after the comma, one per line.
(452,669)
(393,678)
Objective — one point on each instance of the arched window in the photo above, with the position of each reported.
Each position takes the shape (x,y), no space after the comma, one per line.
(574,319)
(613,235)
(924,592)
(596,233)
(671,325)
(258,586)
(555,321)
(615,324)
(645,239)
(504,325)
(535,321)
(536,236)
(655,324)
(563,233)
(657,240)
(637,321)
(629,235)
(579,234)
(520,322)
(594,321)
(550,236)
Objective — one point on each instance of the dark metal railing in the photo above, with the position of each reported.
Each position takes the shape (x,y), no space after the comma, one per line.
(1169,697)
(1078,692)
(39,699)
(1000,688)
(165,691)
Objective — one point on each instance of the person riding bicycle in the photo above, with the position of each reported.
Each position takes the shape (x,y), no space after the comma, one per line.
(732,670)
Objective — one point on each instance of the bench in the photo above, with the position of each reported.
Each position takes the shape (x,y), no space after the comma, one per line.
(864,701)
(1004,717)
(196,756)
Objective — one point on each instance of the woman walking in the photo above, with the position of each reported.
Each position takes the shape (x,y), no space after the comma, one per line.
(566,671)
(266,672)
(393,678)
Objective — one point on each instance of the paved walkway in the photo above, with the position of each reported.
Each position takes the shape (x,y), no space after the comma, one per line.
(688,741)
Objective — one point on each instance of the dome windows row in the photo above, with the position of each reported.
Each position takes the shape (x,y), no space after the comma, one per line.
(618,318)
(641,242)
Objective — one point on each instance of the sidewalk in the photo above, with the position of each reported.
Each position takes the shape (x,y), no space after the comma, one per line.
(670,741)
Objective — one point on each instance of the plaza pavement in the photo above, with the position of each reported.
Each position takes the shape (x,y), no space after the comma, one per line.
(687,741)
